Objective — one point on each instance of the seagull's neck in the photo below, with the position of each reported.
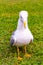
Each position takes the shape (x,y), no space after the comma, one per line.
(20,25)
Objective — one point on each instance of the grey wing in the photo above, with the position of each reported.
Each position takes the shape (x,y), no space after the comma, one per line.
(12,40)
(31,39)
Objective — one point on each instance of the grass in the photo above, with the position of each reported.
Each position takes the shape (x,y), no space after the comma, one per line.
(9,10)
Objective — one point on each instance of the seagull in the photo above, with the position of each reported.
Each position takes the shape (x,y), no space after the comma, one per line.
(22,36)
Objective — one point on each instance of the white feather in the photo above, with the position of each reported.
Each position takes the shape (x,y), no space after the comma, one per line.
(22,35)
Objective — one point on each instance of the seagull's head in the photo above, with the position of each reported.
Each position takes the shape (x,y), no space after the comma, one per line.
(23,15)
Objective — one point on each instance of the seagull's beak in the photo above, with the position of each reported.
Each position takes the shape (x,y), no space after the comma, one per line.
(25,24)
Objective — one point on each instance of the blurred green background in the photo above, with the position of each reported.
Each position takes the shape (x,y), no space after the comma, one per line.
(9,13)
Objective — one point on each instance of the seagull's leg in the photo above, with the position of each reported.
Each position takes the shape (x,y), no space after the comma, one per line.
(26,54)
(19,58)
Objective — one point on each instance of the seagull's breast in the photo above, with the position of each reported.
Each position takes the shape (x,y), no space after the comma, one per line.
(23,37)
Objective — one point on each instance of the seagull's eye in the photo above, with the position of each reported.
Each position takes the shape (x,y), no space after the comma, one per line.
(21,17)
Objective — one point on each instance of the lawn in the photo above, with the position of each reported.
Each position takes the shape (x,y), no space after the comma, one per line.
(9,10)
